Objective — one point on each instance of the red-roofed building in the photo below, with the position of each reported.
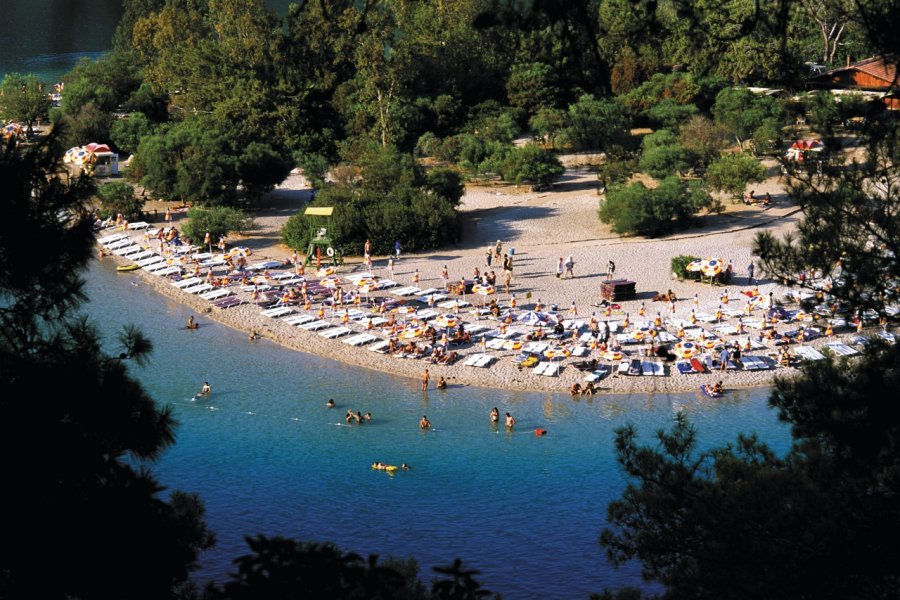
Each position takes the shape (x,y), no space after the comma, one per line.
(876,74)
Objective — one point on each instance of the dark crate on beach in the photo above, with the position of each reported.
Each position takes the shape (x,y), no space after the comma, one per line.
(616,290)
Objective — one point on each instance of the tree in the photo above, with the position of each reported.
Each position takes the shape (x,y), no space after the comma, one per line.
(816,523)
(118,197)
(100,488)
(531,163)
(731,173)
(662,154)
(741,112)
(637,209)
(23,98)
(702,140)
(126,134)
(532,87)
(596,124)
(218,221)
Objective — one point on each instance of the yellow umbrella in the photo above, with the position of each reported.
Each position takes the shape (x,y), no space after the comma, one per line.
(686,349)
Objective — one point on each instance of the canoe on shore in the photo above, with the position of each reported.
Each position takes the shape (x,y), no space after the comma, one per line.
(124,268)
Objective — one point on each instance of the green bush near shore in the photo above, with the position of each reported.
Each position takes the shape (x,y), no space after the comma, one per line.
(217,221)
(118,197)
(679,267)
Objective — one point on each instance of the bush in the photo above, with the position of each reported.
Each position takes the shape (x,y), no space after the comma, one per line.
(217,220)
(731,173)
(531,164)
(636,209)
(118,197)
(662,154)
(679,267)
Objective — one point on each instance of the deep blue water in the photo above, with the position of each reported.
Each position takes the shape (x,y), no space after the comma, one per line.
(267,456)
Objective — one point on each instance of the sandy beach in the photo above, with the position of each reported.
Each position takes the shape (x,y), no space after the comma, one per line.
(537,228)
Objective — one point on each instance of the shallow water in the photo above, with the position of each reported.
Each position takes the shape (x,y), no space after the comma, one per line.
(267,456)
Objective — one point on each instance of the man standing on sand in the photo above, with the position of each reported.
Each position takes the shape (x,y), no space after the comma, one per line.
(570,264)
(397,249)
(750,274)
(425,380)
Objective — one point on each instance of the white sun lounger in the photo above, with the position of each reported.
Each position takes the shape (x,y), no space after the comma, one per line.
(266,264)
(424,315)
(432,298)
(887,336)
(213,262)
(552,369)
(199,289)
(335,332)
(727,330)
(162,269)
(382,284)
(472,359)
(111,239)
(808,353)
(120,243)
(216,294)
(156,259)
(139,225)
(705,317)
(579,350)
(201,256)
(535,347)
(541,367)
(454,304)
(376,321)
(648,367)
(841,349)
(407,291)
(296,320)
(666,337)
(315,325)
(279,311)
(484,361)
(623,367)
(128,250)
(495,344)
(755,363)
(473,329)
(187,282)
(587,337)
(380,347)
(360,339)
(143,254)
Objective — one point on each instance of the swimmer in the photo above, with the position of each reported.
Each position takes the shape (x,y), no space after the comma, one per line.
(191,324)
(330,403)
(205,390)
(495,415)
(254,336)
(424,423)
(442,383)
(405,467)
(510,421)
(367,416)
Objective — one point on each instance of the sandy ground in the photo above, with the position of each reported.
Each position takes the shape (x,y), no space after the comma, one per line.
(540,228)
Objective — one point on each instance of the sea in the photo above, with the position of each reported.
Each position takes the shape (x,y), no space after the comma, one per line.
(267,457)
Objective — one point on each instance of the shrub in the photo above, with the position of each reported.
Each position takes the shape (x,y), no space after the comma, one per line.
(531,164)
(663,155)
(595,124)
(118,197)
(636,209)
(731,173)
(679,267)
(217,220)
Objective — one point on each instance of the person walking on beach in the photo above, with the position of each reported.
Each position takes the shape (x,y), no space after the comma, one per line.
(559,267)
(425,378)
(397,249)
(610,269)
(445,276)
(570,264)
(391,266)
(750,270)
(489,256)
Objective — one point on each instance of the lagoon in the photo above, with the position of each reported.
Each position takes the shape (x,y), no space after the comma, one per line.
(266,455)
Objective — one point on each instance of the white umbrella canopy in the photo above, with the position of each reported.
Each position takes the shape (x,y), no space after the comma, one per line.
(531,317)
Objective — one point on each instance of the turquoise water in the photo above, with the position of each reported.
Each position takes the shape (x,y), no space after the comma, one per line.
(267,456)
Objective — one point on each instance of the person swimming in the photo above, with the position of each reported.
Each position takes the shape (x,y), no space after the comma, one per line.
(442,383)
(510,420)
(330,403)
(424,423)
(191,324)
(495,415)
(206,390)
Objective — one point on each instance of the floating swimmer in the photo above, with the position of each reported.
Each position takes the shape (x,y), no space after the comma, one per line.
(191,324)
(330,403)
(206,390)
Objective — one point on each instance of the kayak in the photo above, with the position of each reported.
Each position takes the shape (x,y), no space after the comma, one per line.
(124,268)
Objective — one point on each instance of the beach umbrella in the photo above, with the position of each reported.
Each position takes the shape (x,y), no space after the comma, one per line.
(411,333)
(694,265)
(326,271)
(512,345)
(531,317)
(483,290)
(711,267)
(331,282)
(613,355)
(12,130)
(686,350)
(447,320)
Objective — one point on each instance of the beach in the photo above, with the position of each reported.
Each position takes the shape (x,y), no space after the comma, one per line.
(536,229)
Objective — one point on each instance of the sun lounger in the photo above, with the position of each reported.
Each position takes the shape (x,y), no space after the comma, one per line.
(541,367)
(648,367)
(139,225)
(808,353)
(150,260)
(755,363)
(111,239)
(624,367)
(705,317)
(473,329)
(128,250)
(315,325)
(335,332)
(199,288)
(841,349)
(259,288)
(684,367)
(732,313)
(120,243)
(886,336)
(726,330)
(552,370)
(297,320)
(424,315)
(454,304)
(184,283)
(216,294)
(484,361)
(143,254)
(473,359)
(162,269)
(360,339)
(495,344)
(406,291)
(380,347)
(535,347)
(383,284)
(277,312)
(266,264)
(213,262)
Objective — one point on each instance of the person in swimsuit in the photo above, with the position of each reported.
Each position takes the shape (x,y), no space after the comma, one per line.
(205,390)
(424,423)
(510,421)
(330,403)
(495,415)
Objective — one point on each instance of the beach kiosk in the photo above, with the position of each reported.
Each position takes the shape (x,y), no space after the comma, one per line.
(321,246)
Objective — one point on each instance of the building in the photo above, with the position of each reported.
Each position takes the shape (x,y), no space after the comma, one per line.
(876,74)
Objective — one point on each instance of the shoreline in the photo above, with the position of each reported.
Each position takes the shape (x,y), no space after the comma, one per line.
(537,229)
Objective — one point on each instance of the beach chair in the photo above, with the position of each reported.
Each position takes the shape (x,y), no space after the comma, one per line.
(579,351)
(654,369)
(841,349)
(541,367)
(384,284)
(142,255)
(335,332)
(198,289)
(684,367)
(424,315)
(886,336)
(623,367)
(472,360)
(406,291)
(552,370)
(277,312)
(315,325)
(808,353)
(726,330)
(216,294)
(360,339)
(495,344)
(162,269)
(111,239)
(127,250)
(187,282)
(473,329)
(484,361)
(120,243)
(380,347)
(297,320)
(149,261)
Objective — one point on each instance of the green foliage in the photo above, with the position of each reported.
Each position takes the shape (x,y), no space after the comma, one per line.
(118,197)
(731,173)
(679,267)
(23,98)
(742,112)
(89,124)
(822,111)
(668,97)
(767,138)
(99,488)
(662,155)
(217,221)
(616,171)
(637,209)
(105,83)
(531,163)
(260,168)
(446,183)
(702,140)
(668,113)
(596,124)
(126,134)
(532,87)
(547,125)
(841,468)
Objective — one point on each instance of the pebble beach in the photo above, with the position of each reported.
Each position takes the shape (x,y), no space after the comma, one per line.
(536,229)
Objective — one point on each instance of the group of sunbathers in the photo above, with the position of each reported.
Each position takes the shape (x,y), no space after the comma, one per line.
(587,389)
